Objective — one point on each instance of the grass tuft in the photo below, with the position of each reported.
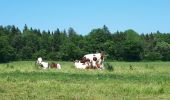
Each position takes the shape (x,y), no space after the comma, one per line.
(131,67)
(109,67)
(9,66)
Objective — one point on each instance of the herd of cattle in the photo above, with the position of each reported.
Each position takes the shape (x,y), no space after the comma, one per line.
(88,61)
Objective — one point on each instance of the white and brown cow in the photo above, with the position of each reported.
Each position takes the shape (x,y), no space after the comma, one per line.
(95,60)
(46,65)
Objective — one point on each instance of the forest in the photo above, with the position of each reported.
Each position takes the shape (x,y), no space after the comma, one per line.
(68,45)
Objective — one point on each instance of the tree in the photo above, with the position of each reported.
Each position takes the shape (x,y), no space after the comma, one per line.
(45,41)
(97,38)
(25,28)
(27,53)
(133,50)
(71,52)
(150,52)
(57,40)
(61,45)
(128,46)
(6,52)
(164,49)
(18,43)
(73,36)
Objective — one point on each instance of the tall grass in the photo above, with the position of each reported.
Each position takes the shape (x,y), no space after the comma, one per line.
(127,80)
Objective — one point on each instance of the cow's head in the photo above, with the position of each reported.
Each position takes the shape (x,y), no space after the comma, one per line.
(102,56)
(39,60)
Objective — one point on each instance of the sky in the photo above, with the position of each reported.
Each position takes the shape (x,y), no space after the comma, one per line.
(143,16)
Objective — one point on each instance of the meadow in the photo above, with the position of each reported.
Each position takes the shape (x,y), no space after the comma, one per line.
(22,80)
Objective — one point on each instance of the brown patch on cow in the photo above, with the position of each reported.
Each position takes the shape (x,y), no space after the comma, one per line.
(53,65)
(101,57)
(94,58)
(84,60)
(87,60)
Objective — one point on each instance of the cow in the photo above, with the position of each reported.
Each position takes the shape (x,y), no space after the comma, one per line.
(95,59)
(91,61)
(79,65)
(46,65)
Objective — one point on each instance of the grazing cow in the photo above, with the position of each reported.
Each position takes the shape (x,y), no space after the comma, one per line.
(96,60)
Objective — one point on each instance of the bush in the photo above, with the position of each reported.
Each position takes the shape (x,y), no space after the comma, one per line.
(109,67)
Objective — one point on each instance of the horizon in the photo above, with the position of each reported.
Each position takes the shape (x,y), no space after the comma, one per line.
(112,32)
(144,16)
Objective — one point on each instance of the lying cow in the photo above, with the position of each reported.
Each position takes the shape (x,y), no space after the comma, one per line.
(46,65)
(80,65)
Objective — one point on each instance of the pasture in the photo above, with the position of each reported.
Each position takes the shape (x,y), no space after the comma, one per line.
(21,80)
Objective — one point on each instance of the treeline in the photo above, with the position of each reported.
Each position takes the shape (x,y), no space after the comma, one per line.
(29,43)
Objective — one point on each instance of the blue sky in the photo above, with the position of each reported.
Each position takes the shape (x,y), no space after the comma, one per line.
(144,16)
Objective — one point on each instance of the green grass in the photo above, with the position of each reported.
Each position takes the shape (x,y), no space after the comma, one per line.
(128,81)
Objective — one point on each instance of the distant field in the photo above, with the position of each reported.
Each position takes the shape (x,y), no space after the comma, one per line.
(142,81)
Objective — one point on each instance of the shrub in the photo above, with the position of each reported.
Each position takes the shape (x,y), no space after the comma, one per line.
(109,67)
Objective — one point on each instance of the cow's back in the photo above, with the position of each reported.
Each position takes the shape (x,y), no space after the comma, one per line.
(92,56)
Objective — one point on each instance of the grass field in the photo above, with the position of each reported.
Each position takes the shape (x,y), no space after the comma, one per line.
(142,81)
